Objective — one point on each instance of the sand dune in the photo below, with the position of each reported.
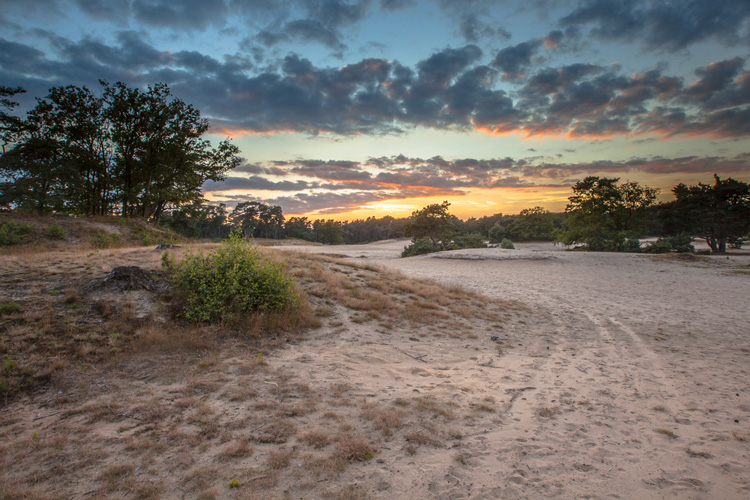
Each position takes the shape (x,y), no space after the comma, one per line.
(630,378)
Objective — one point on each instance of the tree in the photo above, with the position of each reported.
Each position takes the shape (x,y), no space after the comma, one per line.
(718,213)
(258,220)
(10,125)
(605,215)
(329,231)
(35,176)
(159,155)
(299,227)
(532,224)
(130,151)
(433,222)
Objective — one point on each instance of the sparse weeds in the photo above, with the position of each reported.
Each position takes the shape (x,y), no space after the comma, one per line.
(666,432)
(354,448)
(280,458)
(317,438)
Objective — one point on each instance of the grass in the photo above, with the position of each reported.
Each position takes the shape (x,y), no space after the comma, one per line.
(124,391)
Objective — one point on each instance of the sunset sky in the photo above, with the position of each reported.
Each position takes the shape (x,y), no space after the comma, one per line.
(349,109)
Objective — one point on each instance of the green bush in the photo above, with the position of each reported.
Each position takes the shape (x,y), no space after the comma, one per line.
(56,232)
(9,308)
(104,240)
(229,281)
(471,240)
(11,232)
(420,246)
(497,233)
(681,243)
(507,244)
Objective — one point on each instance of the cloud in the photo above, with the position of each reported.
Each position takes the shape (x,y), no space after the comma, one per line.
(341,185)
(450,89)
(391,5)
(255,183)
(183,15)
(663,24)
(312,30)
(514,60)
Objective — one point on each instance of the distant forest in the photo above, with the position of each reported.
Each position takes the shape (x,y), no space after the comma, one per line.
(140,153)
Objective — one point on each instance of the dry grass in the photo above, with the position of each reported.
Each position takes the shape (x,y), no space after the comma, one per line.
(353,448)
(666,432)
(133,404)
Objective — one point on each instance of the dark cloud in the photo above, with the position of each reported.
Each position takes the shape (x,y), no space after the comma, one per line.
(396,4)
(513,61)
(183,15)
(312,30)
(256,183)
(335,13)
(116,12)
(348,185)
(450,89)
(472,17)
(663,25)
(718,85)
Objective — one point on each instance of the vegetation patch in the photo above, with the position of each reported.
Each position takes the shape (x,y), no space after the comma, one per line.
(232,280)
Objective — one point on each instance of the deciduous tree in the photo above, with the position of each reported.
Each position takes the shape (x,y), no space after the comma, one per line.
(718,213)
(605,215)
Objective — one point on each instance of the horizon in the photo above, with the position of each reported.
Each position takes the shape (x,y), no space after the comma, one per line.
(346,109)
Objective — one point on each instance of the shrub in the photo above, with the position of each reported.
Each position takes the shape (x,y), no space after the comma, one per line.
(471,240)
(420,246)
(104,240)
(681,243)
(231,280)
(9,308)
(507,244)
(56,232)
(497,233)
(11,232)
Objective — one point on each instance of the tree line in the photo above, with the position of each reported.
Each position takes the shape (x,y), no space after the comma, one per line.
(602,215)
(140,153)
(126,151)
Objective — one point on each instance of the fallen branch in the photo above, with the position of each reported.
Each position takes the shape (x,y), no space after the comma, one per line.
(418,358)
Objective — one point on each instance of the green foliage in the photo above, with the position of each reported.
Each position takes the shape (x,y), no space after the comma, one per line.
(55,231)
(258,220)
(10,308)
(101,239)
(232,280)
(681,243)
(507,244)
(129,150)
(147,235)
(718,213)
(233,484)
(532,224)
(420,246)
(605,215)
(11,232)
(497,232)
(328,231)
(469,240)
(433,222)
(9,365)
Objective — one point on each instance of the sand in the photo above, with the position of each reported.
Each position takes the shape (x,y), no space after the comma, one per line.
(630,379)
(608,376)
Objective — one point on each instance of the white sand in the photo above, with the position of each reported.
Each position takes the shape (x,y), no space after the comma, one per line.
(630,379)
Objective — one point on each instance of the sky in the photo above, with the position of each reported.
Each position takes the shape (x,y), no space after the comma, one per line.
(346,109)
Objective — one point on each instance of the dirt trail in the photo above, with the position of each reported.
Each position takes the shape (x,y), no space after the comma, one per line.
(630,381)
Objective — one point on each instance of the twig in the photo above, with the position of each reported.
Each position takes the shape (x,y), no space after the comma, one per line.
(46,416)
(418,358)
(258,477)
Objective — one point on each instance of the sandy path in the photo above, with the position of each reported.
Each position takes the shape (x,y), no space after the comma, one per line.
(630,380)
